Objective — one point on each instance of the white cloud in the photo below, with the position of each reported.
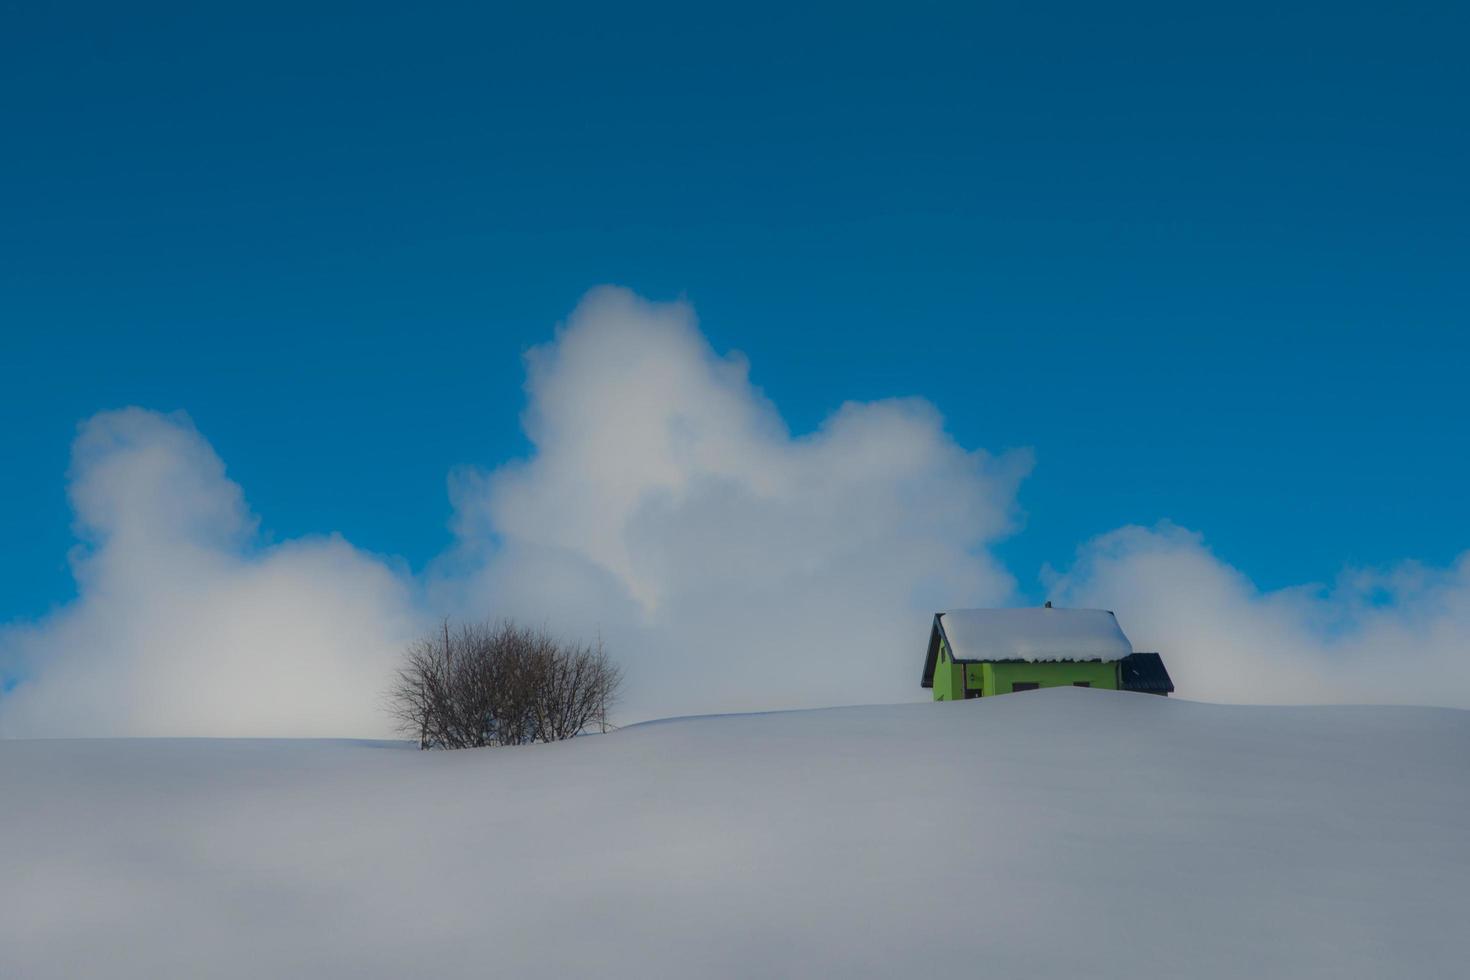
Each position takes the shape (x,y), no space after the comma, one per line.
(728,565)
(666,507)
(182,626)
(1400,635)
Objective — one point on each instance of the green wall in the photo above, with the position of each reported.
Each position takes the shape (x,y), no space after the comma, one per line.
(951,679)
(947,677)
(998,677)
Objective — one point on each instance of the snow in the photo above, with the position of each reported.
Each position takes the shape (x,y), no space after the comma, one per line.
(1034,634)
(1059,833)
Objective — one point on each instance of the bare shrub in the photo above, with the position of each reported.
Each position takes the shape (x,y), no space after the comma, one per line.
(501,684)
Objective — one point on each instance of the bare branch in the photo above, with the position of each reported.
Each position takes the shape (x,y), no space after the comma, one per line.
(501,684)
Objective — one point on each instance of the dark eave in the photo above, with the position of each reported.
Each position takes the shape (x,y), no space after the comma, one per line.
(932,657)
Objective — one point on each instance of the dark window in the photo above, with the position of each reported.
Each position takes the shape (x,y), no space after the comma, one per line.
(972,693)
(1082,683)
(1025,686)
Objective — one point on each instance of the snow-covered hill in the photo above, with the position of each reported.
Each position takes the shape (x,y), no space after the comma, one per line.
(1063,833)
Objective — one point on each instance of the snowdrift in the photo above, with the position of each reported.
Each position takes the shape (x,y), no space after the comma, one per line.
(1061,833)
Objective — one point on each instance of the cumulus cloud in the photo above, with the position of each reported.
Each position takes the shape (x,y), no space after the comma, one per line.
(727,563)
(183,625)
(730,564)
(1398,635)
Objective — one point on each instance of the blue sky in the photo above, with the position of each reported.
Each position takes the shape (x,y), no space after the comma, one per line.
(1209,264)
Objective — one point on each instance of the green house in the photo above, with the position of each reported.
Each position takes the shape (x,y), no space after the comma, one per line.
(981,652)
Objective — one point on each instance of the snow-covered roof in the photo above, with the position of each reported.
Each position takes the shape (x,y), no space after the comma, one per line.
(1034,634)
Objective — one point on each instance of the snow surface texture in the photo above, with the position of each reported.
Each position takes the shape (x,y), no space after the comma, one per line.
(1061,833)
(1034,634)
